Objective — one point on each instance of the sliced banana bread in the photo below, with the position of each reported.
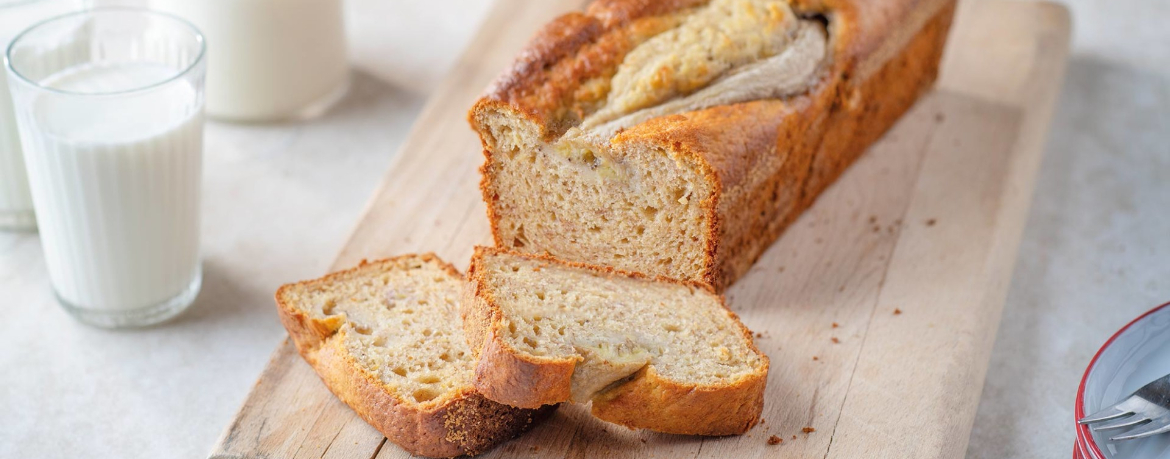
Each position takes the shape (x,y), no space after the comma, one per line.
(385,338)
(680,137)
(649,353)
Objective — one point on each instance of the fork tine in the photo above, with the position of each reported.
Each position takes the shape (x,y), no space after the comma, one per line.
(1160,425)
(1106,414)
(1127,406)
(1122,423)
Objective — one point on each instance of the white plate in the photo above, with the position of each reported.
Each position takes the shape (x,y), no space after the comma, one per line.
(1135,355)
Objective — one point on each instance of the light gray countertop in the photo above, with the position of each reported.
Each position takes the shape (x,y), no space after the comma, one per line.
(279,200)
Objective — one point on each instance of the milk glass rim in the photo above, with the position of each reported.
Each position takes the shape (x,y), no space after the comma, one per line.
(197,35)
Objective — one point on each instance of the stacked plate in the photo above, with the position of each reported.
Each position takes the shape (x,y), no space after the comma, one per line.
(1135,355)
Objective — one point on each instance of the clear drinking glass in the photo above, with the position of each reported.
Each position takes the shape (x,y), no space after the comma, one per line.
(109,104)
(16,206)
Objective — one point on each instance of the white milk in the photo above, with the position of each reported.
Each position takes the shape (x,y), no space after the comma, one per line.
(16,206)
(117,196)
(269,59)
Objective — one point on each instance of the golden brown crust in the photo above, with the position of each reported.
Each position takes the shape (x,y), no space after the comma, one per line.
(612,13)
(466,423)
(647,400)
(770,159)
(869,33)
(865,109)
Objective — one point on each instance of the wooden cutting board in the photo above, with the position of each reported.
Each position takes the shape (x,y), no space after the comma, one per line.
(878,307)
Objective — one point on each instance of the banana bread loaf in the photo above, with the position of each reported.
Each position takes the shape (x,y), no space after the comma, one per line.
(679,138)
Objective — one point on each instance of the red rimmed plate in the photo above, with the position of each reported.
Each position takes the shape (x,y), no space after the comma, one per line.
(1135,355)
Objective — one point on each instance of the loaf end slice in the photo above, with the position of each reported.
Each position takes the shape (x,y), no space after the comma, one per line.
(385,338)
(648,353)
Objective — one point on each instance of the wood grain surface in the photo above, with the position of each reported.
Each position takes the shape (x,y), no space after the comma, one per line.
(878,307)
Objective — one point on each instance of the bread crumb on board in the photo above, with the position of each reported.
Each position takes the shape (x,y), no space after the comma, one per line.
(775,440)
(835,325)
(816,358)
(931,222)
(808,430)
(835,340)
(897,311)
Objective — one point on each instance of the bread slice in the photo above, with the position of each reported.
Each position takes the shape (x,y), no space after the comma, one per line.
(679,138)
(655,354)
(385,338)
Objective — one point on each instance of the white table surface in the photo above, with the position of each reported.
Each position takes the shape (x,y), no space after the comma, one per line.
(279,201)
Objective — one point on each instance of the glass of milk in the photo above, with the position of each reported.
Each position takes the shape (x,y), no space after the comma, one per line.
(109,105)
(16,206)
(270,60)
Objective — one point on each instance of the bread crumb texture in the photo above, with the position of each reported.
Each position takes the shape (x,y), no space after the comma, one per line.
(399,319)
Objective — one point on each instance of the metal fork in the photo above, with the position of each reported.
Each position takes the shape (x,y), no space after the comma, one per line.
(1148,410)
